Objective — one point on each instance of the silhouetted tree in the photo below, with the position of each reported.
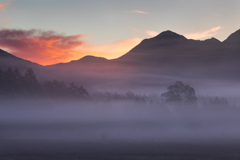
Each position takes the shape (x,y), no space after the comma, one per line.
(54,89)
(129,96)
(218,102)
(31,83)
(13,83)
(1,80)
(179,93)
(18,83)
(78,92)
(8,82)
(30,76)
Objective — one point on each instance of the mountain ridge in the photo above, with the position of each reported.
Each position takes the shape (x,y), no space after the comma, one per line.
(233,38)
(168,34)
(169,37)
(9,60)
(166,55)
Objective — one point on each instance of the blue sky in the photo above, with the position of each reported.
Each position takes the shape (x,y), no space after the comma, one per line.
(114,23)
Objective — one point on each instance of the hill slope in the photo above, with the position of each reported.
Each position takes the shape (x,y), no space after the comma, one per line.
(9,60)
(155,61)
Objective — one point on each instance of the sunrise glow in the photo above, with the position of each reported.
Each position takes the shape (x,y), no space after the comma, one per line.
(109,31)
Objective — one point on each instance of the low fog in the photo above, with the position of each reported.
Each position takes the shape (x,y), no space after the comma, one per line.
(123,121)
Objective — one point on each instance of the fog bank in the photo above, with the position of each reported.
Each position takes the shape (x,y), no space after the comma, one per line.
(76,121)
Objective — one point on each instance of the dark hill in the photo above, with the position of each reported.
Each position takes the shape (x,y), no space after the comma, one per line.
(9,60)
(234,38)
(168,56)
(87,60)
(172,54)
(168,35)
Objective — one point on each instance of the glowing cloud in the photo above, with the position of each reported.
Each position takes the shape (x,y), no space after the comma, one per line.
(204,34)
(48,47)
(4,4)
(137,11)
(151,33)
(44,47)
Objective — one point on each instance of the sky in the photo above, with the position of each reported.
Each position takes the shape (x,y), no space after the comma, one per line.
(53,31)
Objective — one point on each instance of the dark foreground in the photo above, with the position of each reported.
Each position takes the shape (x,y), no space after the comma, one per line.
(53,130)
(118,151)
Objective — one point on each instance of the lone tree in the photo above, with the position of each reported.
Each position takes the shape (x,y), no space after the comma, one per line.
(31,83)
(179,93)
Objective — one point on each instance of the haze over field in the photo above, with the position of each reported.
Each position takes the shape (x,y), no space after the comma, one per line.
(52,129)
(105,79)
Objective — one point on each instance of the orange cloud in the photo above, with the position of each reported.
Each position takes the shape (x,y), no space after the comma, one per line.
(4,4)
(151,33)
(44,47)
(137,11)
(48,47)
(204,34)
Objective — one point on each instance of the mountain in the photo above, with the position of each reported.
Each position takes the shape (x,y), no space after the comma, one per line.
(234,38)
(167,46)
(87,60)
(171,53)
(167,57)
(9,60)
(149,49)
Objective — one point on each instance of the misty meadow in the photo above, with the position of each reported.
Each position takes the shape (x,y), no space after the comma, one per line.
(106,80)
(39,120)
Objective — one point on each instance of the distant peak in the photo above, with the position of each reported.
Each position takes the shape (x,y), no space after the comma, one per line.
(169,35)
(89,57)
(215,39)
(212,40)
(92,58)
(234,37)
(237,32)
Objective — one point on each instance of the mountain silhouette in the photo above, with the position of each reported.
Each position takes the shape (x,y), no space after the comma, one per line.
(9,60)
(159,59)
(168,35)
(83,61)
(164,57)
(174,52)
(234,38)
(168,44)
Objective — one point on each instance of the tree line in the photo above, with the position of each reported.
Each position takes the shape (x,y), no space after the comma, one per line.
(15,84)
